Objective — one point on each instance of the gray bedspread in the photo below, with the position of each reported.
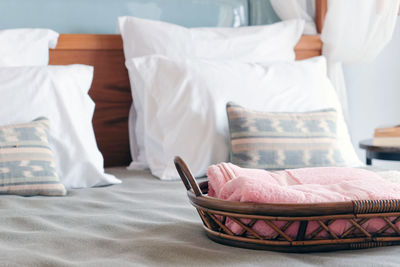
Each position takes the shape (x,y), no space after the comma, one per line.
(141,222)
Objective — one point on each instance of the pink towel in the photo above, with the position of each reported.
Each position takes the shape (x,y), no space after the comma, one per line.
(307,185)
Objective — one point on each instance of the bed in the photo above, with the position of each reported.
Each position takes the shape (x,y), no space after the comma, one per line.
(143,221)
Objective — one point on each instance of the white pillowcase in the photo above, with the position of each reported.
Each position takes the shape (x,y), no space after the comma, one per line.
(59,93)
(273,42)
(26,47)
(185,103)
(143,37)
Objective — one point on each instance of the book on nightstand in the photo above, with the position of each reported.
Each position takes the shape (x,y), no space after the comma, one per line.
(387,136)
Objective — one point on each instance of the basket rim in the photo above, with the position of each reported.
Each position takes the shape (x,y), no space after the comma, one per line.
(272,209)
(197,198)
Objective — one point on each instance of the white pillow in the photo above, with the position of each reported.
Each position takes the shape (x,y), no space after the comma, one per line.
(185,103)
(26,47)
(59,93)
(274,42)
(143,37)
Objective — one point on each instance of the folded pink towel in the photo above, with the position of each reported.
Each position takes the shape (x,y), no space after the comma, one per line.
(307,185)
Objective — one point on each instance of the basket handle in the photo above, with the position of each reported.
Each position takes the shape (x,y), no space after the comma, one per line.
(186,176)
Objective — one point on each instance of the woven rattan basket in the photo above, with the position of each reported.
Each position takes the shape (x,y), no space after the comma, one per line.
(214,213)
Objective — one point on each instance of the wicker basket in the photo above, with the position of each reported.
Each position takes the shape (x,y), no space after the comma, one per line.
(214,213)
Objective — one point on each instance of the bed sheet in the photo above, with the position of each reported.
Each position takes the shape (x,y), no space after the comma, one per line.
(141,222)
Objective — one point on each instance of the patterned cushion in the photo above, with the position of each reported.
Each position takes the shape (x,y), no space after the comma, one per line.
(26,161)
(283,140)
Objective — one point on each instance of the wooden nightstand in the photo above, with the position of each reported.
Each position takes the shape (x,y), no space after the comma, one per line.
(379,152)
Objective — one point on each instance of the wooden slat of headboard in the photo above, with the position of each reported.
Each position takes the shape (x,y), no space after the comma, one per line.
(114,42)
(321,7)
(111,89)
(89,42)
(308,46)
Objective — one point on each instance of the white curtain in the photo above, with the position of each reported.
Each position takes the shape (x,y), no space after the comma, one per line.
(354,31)
(358,30)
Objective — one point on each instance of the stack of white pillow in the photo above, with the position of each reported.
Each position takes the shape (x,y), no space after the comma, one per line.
(182,78)
(30,89)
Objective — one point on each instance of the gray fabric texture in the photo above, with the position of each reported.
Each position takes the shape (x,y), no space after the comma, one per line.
(141,222)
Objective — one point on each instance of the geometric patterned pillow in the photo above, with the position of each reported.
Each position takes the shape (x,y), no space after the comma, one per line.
(26,161)
(275,141)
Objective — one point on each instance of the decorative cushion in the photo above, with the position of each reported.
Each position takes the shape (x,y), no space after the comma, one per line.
(284,140)
(27,167)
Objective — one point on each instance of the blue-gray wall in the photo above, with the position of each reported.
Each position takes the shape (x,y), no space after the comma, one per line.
(99,16)
(261,12)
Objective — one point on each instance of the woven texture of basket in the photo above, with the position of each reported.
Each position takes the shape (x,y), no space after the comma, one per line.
(215,212)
